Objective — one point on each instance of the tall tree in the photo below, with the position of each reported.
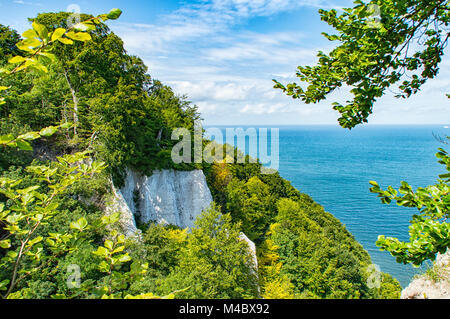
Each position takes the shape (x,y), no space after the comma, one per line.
(215,263)
(382,44)
(8,40)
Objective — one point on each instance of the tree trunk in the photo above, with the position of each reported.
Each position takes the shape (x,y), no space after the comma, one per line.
(75,102)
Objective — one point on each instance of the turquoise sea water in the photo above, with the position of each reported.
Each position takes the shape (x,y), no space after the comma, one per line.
(334,166)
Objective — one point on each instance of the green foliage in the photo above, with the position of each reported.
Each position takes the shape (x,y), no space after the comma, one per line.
(116,109)
(51,209)
(21,142)
(28,208)
(214,263)
(38,41)
(389,289)
(160,247)
(438,272)
(113,257)
(303,248)
(321,260)
(274,285)
(250,203)
(79,74)
(429,230)
(403,47)
(8,40)
(303,251)
(375,53)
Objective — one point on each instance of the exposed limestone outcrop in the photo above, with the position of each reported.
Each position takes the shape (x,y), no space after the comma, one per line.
(435,284)
(117,203)
(252,248)
(168,197)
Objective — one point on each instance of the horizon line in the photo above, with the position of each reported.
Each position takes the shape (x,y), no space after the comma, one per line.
(337,125)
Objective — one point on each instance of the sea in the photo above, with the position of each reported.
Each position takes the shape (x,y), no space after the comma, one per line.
(334,166)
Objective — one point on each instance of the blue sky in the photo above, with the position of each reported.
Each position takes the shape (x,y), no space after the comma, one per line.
(223,55)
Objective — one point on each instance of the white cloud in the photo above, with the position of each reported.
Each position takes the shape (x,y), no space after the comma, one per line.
(227,73)
(213,91)
(203,18)
(264,108)
(260,51)
(157,39)
(27,3)
(246,8)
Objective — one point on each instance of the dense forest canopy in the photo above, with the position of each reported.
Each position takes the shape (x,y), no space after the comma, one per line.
(52,217)
(117,109)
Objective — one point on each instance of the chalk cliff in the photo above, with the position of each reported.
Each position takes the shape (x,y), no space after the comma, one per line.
(167,196)
(434,284)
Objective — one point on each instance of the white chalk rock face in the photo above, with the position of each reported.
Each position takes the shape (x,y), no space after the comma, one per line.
(167,196)
(424,287)
(174,197)
(127,222)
